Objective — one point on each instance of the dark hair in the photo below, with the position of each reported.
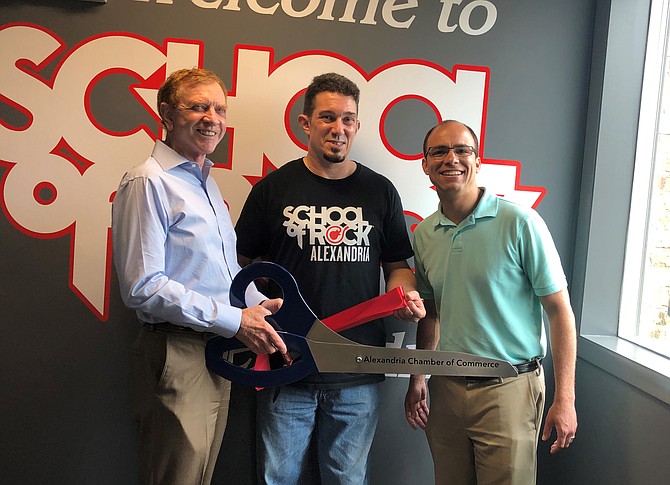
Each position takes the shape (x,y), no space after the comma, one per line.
(329,83)
(472,132)
(171,88)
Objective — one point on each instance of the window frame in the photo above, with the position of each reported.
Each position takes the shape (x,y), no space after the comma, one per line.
(619,49)
(643,178)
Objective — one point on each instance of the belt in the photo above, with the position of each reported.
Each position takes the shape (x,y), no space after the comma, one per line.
(522,368)
(530,366)
(170,327)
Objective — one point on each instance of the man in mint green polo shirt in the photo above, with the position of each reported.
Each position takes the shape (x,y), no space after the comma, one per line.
(487,268)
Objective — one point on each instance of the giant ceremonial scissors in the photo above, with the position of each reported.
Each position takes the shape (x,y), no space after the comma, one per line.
(316,348)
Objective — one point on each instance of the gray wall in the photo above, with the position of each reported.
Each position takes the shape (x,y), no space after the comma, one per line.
(65,414)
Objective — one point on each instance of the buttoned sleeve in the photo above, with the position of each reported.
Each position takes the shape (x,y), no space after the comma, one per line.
(168,251)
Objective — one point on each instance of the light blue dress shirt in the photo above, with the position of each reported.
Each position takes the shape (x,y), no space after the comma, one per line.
(175,246)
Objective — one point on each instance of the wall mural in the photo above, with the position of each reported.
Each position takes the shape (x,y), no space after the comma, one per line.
(63,165)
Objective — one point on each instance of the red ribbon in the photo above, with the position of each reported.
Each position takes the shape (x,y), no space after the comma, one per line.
(378,307)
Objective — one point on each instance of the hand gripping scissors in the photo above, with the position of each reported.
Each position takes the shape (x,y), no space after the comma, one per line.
(320,349)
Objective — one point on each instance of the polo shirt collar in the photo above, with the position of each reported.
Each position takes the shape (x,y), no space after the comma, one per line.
(486,207)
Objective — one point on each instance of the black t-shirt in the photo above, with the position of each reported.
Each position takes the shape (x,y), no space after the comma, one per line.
(332,235)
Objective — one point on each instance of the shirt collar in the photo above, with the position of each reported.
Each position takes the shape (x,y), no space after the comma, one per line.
(168,159)
(486,207)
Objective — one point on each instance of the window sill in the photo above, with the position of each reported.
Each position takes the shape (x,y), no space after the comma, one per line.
(639,367)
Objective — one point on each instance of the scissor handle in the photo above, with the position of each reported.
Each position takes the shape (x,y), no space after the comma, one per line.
(301,368)
(294,316)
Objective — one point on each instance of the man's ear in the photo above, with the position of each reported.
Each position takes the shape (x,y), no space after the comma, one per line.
(424,165)
(166,116)
(303,121)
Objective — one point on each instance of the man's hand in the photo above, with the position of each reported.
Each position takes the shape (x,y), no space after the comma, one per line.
(563,417)
(416,407)
(272,305)
(257,334)
(414,309)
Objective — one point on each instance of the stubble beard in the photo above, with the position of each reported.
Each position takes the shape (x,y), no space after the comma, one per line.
(334,157)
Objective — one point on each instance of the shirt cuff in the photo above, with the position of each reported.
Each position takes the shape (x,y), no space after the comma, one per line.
(253,296)
(231,318)
(230,322)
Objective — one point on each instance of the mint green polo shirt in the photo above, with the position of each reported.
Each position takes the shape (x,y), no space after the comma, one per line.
(486,276)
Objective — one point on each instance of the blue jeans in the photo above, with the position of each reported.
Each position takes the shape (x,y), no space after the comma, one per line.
(344,421)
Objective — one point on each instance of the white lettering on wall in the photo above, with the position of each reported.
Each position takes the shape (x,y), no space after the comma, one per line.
(390,11)
(60,127)
(398,340)
(465,15)
(61,167)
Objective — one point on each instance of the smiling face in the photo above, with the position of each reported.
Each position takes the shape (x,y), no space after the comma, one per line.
(453,175)
(197,123)
(331,128)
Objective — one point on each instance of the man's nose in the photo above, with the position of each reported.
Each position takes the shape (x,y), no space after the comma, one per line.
(212,115)
(451,157)
(338,125)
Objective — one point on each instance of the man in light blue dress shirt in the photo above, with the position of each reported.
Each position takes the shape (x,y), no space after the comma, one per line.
(175,254)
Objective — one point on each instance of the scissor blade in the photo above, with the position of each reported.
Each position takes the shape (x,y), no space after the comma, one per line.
(365,359)
(335,353)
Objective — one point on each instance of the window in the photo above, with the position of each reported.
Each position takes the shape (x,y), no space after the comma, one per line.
(644,317)
(619,129)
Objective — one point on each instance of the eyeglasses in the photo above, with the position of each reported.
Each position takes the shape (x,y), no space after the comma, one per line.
(440,152)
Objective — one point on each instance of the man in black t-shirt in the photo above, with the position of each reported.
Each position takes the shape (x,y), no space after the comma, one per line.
(333,223)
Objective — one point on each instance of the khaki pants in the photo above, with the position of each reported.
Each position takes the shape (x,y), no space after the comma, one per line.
(181,407)
(485,432)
